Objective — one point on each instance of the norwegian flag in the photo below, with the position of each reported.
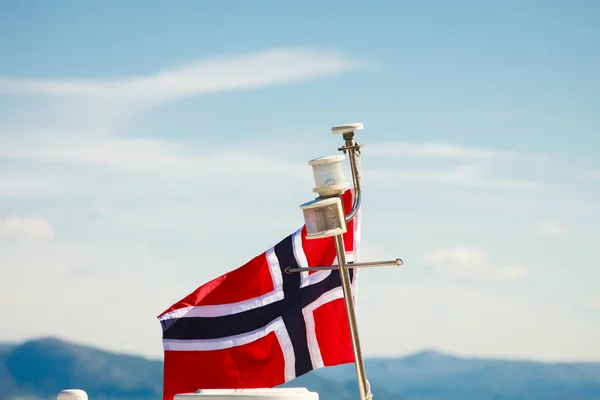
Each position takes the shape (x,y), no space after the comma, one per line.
(258,326)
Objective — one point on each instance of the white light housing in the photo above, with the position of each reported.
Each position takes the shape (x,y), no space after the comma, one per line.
(250,394)
(72,394)
(329,175)
(324,218)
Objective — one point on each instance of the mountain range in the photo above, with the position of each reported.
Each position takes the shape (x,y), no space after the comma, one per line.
(39,369)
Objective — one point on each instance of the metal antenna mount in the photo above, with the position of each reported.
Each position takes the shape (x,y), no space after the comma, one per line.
(353,150)
(324,218)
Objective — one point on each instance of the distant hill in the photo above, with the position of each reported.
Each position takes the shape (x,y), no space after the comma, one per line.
(431,375)
(41,368)
(7,385)
(44,367)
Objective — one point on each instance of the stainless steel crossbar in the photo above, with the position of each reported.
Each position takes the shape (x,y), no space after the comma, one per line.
(396,263)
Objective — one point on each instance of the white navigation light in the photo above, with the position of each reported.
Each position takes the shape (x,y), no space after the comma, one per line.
(299,393)
(324,218)
(72,394)
(329,175)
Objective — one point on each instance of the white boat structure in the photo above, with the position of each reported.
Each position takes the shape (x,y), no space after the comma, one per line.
(324,217)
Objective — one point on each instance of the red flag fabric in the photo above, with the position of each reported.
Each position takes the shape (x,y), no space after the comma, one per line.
(259,326)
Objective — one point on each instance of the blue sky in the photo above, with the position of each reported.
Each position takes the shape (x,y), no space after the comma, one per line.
(146,148)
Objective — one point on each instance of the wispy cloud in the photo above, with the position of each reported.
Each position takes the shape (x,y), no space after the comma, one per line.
(176,160)
(137,167)
(463,175)
(460,165)
(134,155)
(20,184)
(445,150)
(217,74)
(551,228)
(33,229)
(89,117)
(586,174)
(472,263)
(87,125)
